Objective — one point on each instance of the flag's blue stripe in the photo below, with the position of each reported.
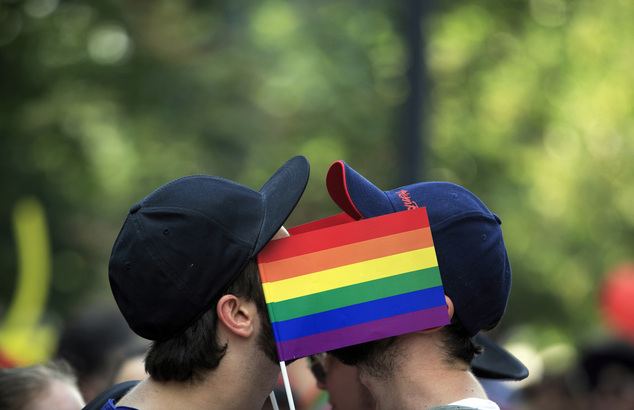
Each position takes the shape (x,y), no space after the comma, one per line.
(359,313)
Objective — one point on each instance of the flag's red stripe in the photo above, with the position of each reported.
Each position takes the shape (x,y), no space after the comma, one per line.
(341,235)
(321,224)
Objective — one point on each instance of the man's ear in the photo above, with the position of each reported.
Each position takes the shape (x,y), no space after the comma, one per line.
(449,306)
(236,314)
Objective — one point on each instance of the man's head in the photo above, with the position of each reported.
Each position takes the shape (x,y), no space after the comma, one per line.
(50,385)
(182,247)
(472,258)
(199,347)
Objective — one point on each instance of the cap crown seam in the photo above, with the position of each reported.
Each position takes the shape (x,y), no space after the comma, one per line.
(161,264)
(160,208)
(461,216)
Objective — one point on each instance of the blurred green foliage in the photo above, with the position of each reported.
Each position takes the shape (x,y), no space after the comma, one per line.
(530,107)
(534,112)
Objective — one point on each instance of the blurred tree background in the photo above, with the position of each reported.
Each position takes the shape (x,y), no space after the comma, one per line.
(526,102)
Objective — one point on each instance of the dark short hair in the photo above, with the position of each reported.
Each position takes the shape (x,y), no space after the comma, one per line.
(19,385)
(458,345)
(188,356)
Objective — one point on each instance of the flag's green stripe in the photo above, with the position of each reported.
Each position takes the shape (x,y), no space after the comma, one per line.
(354,294)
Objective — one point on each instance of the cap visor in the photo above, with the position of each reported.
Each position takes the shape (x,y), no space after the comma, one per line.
(354,194)
(496,362)
(282,193)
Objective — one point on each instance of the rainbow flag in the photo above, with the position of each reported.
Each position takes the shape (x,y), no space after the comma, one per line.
(352,282)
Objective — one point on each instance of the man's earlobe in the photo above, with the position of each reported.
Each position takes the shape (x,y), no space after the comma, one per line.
(449,306)
(235,315)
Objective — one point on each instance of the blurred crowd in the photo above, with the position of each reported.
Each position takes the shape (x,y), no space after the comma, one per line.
(96,349)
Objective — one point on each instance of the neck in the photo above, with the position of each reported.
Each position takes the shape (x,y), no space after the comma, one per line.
(421,377)
(238,383)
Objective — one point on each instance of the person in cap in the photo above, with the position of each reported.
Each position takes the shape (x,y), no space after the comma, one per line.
(184,275)
(433,368)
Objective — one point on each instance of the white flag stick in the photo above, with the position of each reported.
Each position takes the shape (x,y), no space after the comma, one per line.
(274,401)
(287,386)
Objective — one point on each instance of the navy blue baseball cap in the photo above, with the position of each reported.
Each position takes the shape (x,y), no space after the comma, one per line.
(186,242)
(472,258)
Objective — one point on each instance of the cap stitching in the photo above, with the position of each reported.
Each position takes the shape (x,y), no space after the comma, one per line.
(189,211)
(464,215)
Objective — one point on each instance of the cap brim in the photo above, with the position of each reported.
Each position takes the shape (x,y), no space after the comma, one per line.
(282,193)
(354,194)
(496,362)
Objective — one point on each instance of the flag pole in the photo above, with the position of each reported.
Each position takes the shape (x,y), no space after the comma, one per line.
(287,386)
(274,400)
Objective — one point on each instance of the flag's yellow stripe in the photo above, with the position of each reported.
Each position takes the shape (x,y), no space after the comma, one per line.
(350,274)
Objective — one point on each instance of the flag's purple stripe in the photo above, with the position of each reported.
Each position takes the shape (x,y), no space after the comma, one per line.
(359,313)
(364,332)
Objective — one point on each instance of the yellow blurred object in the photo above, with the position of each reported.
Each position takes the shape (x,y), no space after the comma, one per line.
(22,335)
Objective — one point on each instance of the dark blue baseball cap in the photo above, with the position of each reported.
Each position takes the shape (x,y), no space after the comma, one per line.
(186,242)
(472,258)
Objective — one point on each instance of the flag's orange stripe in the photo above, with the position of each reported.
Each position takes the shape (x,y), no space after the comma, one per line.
(346,255)
(341,235)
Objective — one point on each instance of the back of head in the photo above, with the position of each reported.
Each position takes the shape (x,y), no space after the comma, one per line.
(22,387)
(188,356)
